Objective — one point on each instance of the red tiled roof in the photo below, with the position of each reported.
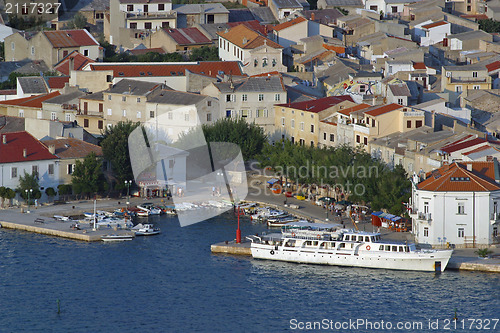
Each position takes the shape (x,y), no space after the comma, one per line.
(287,24)
(32,101)
(419,65)
(79,61)
(335,48)
(475,16)
(463,145)
(273,73)
(159,50)
(73,148)
(13,150)
(70,38)
(319,104)
(434,24)
(246,38)
(477,150)
(8,92)
(254,25)
(57,82)
(456,178)
(208,68)
(357,107)
(188,36)
(322,55)
(377,111)
(493,66)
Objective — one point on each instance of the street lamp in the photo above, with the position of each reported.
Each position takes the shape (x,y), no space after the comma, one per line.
(28,192)
(128,183)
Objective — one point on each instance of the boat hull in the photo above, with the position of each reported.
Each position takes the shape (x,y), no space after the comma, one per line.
(415,261)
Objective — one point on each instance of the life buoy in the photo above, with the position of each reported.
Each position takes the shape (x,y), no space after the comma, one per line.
(319,236)
(368,247)
(293,234)
(272,252)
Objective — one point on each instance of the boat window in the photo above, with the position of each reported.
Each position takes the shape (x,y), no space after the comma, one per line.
(333,245)
(394,248)
(315,243)
(322,245)
(342,245)
(407,249)
(401,249)
(347,237)
(381,248)
(367,238)
(387,247)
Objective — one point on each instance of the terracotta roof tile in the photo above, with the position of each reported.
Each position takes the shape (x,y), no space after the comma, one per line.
(244,37)
(254,25)
(208,68)
(70,38)
(144,51)
(79,61)
(73,148)
(319,104)
(463,145)
(290,23)
(419,65)
(17,142)
(32,101)
(57,82)
(188,36)
(358,107)
(434,24)
(493,66)
(457,178)
(379,110)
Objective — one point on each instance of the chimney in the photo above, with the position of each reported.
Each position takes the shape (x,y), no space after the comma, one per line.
(129,89)
(71,64)
(52,149)
(4,139)
(25,152)
(312,16)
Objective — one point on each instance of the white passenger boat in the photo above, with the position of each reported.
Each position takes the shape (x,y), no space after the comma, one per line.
(147,209)
(117,238)
(316,243)
(145,230)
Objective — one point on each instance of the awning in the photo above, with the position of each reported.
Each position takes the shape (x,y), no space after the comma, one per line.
(377,213)
(396,218)
(389,217)
(272,181)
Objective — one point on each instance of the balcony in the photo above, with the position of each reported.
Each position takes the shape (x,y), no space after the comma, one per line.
(468,79)
(150,16)
(494,218)
(422,216)
(361,128)
(413,113)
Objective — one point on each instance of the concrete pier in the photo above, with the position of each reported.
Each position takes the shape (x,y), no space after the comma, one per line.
(232,248)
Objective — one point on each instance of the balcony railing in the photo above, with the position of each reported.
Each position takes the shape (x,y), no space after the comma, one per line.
(467,79)
(143,16)
(361,128)
(424,216)
(414,113)
(495,217)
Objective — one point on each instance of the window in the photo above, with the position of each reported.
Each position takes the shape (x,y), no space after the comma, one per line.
(302,126)
(139,115)
(228,113)
(209,103)
(209,117)
(293,139)
(228,98)
(138,99)
(161,6)
(39,114)
(324,136)
(67,117)
(266,113)
(146,8)
(358,139)
(124,98)
(365,141)
(458,88)
(170,115)
(130,8)
(21,113)
(244,113)
(100,124)
(312,128)
(261,97)
(426,232)
(165,25)
(13,172)
(133,25)
(86,53)
(32,50)
(151,114)
(362,88)
(70,169)
(148,25)
(244,97)
(51,169)
(34,170)
(461,208)
(469,8)
(292,123)
(331,137)
(408,124)
(264,62)
(301,142)
(53,116)
(109,97)
(124,113)
(461,232)
(101,107)
(476,87)
(312,143)
(400,101)
(418,123)
(283,121)
(474,74)
(85,123)
(277,97)
(110,112)
(12,46)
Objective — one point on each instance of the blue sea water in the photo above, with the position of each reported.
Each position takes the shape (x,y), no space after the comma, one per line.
(172,283)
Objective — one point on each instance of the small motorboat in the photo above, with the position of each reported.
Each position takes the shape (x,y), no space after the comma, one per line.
(145,230)
(117,238)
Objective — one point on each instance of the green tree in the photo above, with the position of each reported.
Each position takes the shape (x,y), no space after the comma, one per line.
(87,177)
(393,189)
(205,53)
(50,192)
(489,25)
(78,22)
(65,190)
(115,149)
(28,186)
(3,193)
(9,195)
